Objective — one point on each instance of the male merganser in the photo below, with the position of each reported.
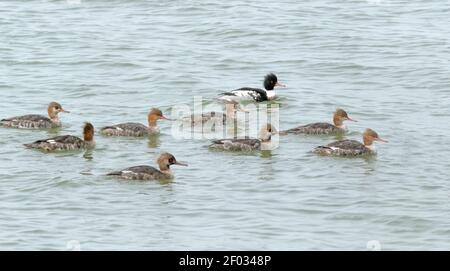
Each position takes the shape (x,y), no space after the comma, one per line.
(323,128)
(254,94)
(136,129)
(246,144)
(231,108)
(37,121)
(66,142)
(351,147)
(164,161)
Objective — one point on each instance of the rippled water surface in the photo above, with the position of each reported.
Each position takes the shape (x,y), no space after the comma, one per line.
(386,62)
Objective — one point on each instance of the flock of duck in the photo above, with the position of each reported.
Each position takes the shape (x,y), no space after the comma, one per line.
(166,160)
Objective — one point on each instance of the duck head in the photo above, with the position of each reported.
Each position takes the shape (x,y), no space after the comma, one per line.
(371,136)
(88,132)
(165,160)
(271,81)
(339,117)
(154,115)
(54,109)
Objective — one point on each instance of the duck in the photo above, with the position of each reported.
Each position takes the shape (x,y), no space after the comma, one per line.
(254,94)
(324,128)
(136,129)
(165,160)
(37,121)
(352,147)
(66,142)
(247,144)
(231,107)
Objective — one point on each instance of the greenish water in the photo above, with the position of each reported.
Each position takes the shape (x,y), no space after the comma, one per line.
(387,64)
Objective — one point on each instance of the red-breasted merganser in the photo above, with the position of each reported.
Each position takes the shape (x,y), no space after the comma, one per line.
(246,144)
(231,108)
(164,161)
(323,128)
(37,121)
(352,147)
(136,129)
(254,94)
(66,142)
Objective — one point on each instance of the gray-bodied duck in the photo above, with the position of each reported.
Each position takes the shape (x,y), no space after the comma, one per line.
(352,147)
(37,121)
(66,142)
(324,128)
(247,144)
(164,172)
(136,129)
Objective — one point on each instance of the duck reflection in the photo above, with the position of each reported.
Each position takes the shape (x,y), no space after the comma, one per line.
(154,141)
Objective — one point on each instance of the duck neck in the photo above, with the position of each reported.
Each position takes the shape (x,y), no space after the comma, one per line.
(53,116)
(338,122)
(165,170)
(271,94)
(89,137)
(152,121)
(55,120)
(368,142)
(266,139)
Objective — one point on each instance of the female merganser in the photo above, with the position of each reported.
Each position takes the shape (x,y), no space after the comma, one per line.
(231,108)
(66,142)
(351,147)
(136,129)
(246,144)
(164,161)
(37,121)
(323,128)
(254,94)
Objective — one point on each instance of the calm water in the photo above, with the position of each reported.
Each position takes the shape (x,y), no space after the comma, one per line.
(387,64)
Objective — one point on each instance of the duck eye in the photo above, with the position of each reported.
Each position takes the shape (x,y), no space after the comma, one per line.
(171,160)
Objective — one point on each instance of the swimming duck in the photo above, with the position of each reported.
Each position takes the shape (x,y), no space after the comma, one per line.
(352,147)
(323,128)
(37,121)
(164,162)
(254,94)
(231,107)
(247,144)
(136,129)
(66,142)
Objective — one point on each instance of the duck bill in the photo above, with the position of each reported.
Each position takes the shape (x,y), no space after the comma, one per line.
(181,164)
(64,111)
(381,140)
(164,118)
(350,119)
(280,85)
